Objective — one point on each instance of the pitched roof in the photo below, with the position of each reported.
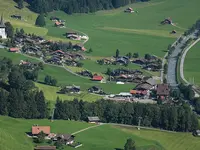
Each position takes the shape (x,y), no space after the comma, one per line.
(38,129)
(45,148)
(95,118)
(163,89)
(14,49)
(144,86)
(97,78)
(2,25)
(64,136)
(151,81)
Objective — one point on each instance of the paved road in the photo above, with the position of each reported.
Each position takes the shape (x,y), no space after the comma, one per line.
(86,129)
(183,59)
(172,61)
(163,63)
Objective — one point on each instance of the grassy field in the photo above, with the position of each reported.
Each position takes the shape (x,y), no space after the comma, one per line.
(191,68)
(50,93)
(107,137)
(170,141)
(102,137)
(65,78)
(12,131)
(139,32)
(110,30)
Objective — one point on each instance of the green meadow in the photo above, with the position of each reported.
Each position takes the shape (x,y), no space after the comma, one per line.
(107,137)
(65,78)
(108,30)
(191,68)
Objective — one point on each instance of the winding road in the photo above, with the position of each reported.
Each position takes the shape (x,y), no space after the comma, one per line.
(183,59)
(173,60)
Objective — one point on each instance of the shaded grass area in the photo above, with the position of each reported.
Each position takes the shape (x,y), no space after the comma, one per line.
(191,65)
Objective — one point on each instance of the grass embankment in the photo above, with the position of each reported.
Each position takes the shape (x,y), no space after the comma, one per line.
(191,65)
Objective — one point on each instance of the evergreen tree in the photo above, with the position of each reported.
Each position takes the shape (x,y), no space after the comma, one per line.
(47,80)
(9,29)
(41,105)
(16,79)
(3,103)
(135,55)
(20,4)
(117,53)
(40,21)
(130,145)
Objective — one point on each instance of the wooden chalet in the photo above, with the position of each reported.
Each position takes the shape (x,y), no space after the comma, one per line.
(79,47)
(93,119)
(95,89)
(67,138)
(162,91)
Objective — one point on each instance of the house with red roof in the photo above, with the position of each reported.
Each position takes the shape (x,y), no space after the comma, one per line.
(37,129)
(14,49)
(97,78)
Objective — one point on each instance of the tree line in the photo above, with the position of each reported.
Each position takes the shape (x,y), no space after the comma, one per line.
(19,98)
(168,117)
(76,6)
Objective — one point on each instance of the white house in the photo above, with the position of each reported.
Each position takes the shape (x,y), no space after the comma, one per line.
(2,29)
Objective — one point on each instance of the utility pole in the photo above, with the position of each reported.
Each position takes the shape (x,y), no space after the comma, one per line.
(139,122)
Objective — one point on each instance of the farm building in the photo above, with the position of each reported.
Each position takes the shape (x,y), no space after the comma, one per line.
(16,17)
(67,138)
(74,37)
(94,119)
(37,129)
(162,91)
(173,32)
(59,24)
(129,10)
(167,21)
(95,89)
(97,78)
(14,49)
(45,148)
(79,47)
(52,18)
(70,89)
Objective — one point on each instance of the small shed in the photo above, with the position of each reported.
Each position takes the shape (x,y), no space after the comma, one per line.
(94,119)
